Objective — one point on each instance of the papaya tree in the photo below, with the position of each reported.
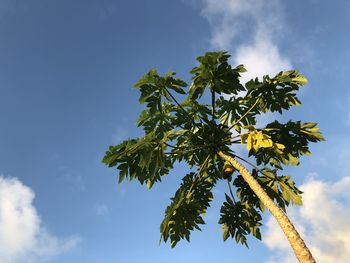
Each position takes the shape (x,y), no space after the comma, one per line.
(203,129)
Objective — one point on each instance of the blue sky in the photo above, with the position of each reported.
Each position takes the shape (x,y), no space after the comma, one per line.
(66,74)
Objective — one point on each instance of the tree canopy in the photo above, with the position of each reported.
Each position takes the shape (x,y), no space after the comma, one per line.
(193,123)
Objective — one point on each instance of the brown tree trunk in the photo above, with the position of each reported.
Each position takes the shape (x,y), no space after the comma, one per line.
(301,251)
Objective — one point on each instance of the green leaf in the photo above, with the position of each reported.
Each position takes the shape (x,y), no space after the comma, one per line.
(184,214)
(279,143)
(215,72)
(277,93)
(236,110)
(256,140)
(144,159)
(300,79)
(238,220)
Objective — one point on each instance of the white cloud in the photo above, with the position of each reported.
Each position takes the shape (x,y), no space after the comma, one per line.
(323,221)
(22,235)
(261,58)
(250,28)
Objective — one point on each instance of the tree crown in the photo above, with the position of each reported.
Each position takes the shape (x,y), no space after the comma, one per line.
(194,131)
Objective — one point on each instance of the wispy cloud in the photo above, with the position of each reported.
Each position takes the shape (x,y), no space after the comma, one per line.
(107,8)
(101,209)
(249,28)
(323,221)
(70,176)
(75,181)
(23,238)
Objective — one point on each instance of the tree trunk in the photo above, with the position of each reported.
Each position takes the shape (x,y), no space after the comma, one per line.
(297,243)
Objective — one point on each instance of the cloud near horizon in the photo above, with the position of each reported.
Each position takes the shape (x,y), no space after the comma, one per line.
(323,222)
(23,238)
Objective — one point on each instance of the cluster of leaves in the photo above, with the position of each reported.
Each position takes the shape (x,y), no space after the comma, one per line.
(215,72)
(159,115)
(278,143)
(185,212)
(195,132)
(277,93)
(144,159)
(270,94)
(242,218)
(192,199)
(281,189)
(239,219)
(237,112)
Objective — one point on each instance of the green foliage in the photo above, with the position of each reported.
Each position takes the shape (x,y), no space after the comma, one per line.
(194,132)
(235,111)
(215,72)
(186,209)
(279,143)
(153,87)
(159,115)
(277,93)
(239,219)
(143,159)
(242,218)
(281,189)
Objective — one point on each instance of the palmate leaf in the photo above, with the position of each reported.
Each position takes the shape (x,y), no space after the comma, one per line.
(187,207)
(289,142)
(238,220)
(278,93)
(153,87)
(234,109)
(215,72)
(160,121)
(174,84)
(283,186)
(281,189)
(143,159)
(257,140)
(197,111)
